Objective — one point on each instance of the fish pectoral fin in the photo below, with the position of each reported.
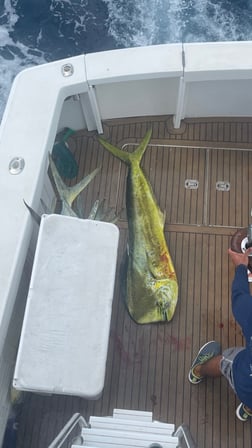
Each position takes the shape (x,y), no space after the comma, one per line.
(153,268)
(163,217)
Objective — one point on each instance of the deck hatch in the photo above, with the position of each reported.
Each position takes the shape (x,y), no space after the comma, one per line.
(191,184)
(222,186)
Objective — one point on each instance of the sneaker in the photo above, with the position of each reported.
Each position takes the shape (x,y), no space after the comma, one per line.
(242,413)
(207,352)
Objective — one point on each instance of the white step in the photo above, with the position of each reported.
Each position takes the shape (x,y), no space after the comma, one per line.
(106,438)
(120,424)
(133,415)
(86,446)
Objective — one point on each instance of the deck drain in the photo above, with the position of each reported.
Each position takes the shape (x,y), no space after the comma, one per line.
(222,186)
(191,184)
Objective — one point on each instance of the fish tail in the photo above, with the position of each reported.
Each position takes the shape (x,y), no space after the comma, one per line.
(69,194)
(140,150)
(125,156)
(75,190)
(117,152)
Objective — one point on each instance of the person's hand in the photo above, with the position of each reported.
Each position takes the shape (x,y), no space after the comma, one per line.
(240,258)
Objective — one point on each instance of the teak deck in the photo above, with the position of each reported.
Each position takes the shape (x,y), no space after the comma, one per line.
(147,366)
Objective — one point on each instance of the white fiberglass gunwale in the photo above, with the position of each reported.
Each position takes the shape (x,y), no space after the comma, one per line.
(166,79)
(190,80)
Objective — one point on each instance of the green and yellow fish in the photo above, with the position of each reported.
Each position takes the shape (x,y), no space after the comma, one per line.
(152,287)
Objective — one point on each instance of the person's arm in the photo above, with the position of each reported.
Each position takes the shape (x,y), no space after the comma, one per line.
(241,298)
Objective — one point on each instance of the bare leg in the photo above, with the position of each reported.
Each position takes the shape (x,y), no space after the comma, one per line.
(210,368)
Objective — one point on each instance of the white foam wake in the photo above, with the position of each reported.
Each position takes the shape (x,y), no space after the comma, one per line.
(147,22)
(14,55)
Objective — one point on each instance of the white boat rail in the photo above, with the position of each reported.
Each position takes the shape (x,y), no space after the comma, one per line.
(190,80)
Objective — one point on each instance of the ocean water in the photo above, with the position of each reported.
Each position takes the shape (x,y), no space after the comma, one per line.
(35,31)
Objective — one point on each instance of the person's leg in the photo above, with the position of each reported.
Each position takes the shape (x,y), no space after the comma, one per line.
(210,368)
(225,367)
(243,412)
(209,363)
(206,363)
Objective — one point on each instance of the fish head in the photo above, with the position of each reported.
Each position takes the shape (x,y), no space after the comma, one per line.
(166,297)
(151,300)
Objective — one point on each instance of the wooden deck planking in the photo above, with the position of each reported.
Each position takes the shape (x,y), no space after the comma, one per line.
(148,365)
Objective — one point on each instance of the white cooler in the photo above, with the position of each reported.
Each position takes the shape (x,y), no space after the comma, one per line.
(65,334)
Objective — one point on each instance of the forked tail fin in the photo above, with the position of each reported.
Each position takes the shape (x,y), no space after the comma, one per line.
(128,157)
(69,194)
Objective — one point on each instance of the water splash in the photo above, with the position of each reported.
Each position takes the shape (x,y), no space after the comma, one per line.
(148,22)
(35,32)
(14,55)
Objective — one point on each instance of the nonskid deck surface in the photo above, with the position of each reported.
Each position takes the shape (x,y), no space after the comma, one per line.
(201,178)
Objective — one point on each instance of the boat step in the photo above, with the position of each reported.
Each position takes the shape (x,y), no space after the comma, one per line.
(105,438)
(120,424)
(133,415)
(126,429)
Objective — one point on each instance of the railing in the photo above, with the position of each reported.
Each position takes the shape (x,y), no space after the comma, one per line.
(183,433)
(190,80)
(183,80)
(75,420)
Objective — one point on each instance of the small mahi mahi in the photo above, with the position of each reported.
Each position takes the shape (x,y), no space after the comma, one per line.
(152,287)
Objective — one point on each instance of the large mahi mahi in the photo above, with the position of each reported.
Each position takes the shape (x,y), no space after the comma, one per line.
(152,287)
